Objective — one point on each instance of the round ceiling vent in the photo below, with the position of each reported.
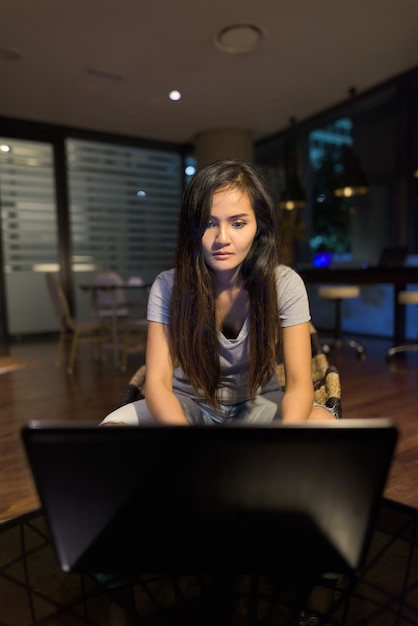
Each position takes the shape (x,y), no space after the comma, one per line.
(239,38)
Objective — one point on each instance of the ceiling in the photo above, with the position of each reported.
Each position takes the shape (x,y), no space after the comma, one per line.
(108,65)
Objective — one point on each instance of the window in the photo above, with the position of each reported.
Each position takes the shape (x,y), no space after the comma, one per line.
(330,216)
(29,233)
(28,208)
(124,209)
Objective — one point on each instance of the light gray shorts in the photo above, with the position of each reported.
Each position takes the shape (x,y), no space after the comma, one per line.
(262,410)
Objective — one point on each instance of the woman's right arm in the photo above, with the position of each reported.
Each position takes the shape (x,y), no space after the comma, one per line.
(161,401)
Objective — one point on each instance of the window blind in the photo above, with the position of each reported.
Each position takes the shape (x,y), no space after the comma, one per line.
(28,207)
(124,207)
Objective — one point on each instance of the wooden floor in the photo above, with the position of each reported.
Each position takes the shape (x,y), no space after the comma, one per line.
(40,390)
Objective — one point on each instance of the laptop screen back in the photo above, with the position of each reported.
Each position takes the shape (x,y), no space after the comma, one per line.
(126,499)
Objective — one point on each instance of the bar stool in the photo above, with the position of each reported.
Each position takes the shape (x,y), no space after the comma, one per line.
(338,294)
(405,297)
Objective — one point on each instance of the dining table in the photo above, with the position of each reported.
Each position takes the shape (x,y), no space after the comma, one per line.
(131,285)
(398,276)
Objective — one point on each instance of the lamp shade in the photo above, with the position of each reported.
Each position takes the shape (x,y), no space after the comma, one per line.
(352,181)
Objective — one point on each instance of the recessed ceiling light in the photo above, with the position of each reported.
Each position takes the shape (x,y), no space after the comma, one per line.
(239,38)
(174,95)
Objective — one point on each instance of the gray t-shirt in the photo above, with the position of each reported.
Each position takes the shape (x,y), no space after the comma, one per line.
(293,309)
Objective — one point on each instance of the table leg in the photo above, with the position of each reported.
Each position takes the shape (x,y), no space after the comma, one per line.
(115,341)
(399,316)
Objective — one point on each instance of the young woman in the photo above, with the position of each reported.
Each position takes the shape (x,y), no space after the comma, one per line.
(218,319)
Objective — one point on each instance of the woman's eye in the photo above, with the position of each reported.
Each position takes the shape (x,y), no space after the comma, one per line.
(210,224)
(239,224)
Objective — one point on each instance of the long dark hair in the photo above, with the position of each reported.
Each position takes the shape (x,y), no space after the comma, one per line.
(193,331)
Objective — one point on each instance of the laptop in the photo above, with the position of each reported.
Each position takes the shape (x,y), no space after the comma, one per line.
(300,497)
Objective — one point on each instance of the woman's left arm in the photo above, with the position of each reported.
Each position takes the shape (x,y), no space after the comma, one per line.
(297,403)
(297,358)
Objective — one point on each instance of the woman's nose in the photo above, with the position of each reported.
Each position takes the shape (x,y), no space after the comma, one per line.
(222,234)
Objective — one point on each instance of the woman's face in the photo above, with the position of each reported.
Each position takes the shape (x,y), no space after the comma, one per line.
(231,229)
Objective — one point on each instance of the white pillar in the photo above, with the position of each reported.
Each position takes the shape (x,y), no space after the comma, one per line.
(213,145)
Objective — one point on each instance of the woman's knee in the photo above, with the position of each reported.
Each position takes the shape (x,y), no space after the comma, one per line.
(125,415)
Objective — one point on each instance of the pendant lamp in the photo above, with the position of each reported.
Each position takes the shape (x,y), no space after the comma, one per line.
(293,196)
(352,181)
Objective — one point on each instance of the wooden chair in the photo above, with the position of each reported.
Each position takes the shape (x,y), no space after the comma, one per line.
(134,339)
(326,380)
(110,301)
(88,331)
